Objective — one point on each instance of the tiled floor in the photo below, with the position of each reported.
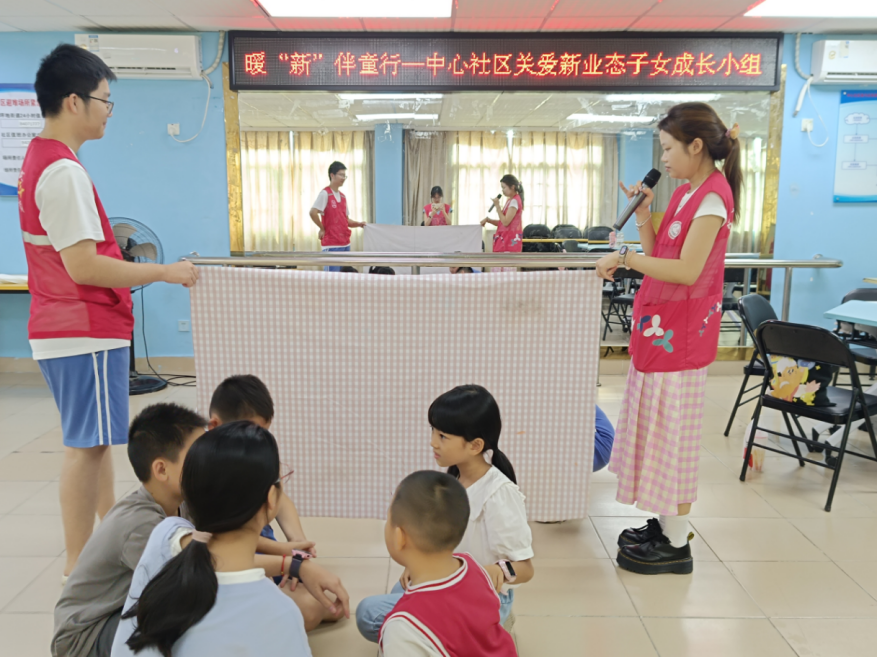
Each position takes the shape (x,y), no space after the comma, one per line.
(774,573)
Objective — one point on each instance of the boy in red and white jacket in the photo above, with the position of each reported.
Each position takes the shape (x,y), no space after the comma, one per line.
(80,314)
(450,607)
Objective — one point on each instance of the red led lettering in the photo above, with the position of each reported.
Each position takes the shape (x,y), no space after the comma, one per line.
(388,61)
(299,63)
(569,64)
(615,64)
(547,63)
(454,67)
(683,63)
(345,63)
(435,63)
(524,64)
(729,64)
(706,65)
(750,64)
(475,63)
(592,65)
(660,63)
(638,62)
(501,65)
(369,64)
(254,64)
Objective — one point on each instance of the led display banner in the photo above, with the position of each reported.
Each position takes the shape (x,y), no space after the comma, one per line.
(458,62)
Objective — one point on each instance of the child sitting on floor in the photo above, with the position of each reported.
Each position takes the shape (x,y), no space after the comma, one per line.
(87,614)
(466,426)
(201,592)
(245,397)
(450,607)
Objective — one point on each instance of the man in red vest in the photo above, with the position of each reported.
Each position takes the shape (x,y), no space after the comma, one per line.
(80,315)
(331,215)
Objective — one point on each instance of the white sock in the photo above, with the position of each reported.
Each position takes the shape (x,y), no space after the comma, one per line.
(676,529)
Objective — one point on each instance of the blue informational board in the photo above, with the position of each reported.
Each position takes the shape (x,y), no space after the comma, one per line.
(855,167)
(20,122)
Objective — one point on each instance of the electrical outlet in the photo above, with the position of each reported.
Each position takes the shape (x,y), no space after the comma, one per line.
(183,325)
(806,125)
(174,129)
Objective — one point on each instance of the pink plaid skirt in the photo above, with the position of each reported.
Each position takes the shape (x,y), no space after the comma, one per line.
(657,442)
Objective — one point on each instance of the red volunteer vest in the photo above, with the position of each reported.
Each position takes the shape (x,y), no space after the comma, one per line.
(439,219)
(510,238)
(459,616)
(60,308)
(676,327)
(335,221)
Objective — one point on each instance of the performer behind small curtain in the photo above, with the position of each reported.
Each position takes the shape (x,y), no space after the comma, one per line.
(509,228)
(331,214)
(675,335)
(436,213)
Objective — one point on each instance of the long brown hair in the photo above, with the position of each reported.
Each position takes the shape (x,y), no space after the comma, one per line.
(688,121)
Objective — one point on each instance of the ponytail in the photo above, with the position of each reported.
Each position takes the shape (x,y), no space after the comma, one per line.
(689,121)
(503,464)
(472,413)
(733,172)
(182,593)
(227,476)
(510,180)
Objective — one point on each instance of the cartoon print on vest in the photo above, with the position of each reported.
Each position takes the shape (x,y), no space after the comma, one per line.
(665,341)
(655,329)
(675,229)
(712,311)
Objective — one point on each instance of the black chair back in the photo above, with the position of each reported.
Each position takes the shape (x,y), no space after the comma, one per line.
(571,246)
(566,231)
(598,233)
(755,310)
(864,295)
(804,341)
(537,231)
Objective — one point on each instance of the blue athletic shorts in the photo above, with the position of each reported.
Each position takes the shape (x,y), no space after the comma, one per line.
(91,392)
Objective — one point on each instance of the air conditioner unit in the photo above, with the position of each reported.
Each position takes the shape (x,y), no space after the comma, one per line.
(844,62)
(147,56)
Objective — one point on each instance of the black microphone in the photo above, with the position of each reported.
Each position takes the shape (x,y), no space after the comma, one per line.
(499,196)
(649,181)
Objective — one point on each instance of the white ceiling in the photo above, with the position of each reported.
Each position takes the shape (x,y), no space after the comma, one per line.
(272,110)
(468,16)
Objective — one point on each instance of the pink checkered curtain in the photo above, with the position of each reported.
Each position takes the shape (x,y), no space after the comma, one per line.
(352,378)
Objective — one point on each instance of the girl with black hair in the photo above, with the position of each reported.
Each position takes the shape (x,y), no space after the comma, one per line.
(199,592)
(466,425)
(436,213)
(676,321)
(509,234)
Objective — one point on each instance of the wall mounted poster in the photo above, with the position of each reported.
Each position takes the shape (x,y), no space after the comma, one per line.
(855,167)
(20,121)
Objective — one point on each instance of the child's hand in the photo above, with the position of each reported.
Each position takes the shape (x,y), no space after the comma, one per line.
(405,580)
(318,581)
(286,548)
(496,576)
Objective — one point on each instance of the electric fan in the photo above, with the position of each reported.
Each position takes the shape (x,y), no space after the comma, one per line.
(139,245)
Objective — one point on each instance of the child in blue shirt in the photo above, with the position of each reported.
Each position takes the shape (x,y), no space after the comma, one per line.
(200,592)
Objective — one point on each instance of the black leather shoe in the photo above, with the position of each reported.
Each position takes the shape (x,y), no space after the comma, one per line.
(655,556)
(815,448)
(632,536)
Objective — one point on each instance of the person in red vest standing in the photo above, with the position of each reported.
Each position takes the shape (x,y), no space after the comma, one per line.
(81,317)
(677,315)
(331,214)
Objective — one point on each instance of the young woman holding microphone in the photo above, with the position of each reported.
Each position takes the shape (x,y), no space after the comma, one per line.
(675,333)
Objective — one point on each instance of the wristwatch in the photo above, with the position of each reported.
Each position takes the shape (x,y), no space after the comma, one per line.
(622,256)
(298,557)
(508,571)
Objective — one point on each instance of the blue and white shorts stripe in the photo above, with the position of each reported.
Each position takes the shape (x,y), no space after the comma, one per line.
(91,392)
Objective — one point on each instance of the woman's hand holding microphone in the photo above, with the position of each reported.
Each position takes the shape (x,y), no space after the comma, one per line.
(607,265)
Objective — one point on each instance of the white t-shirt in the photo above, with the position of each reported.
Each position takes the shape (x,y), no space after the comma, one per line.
(712,204)
(65,198)
(498,528)
(251,616)
(323,200)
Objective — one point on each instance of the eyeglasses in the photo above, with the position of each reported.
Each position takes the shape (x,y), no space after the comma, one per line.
(109,104)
